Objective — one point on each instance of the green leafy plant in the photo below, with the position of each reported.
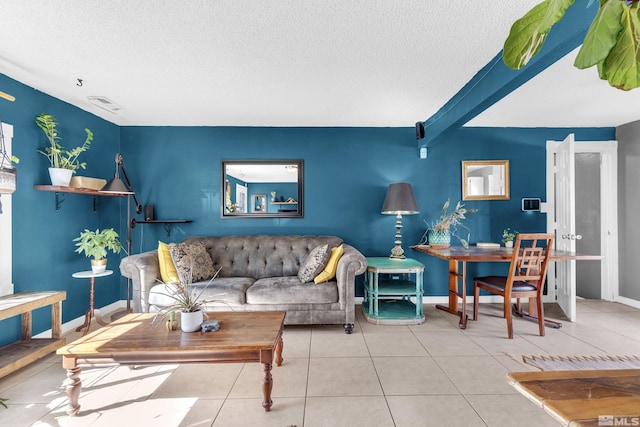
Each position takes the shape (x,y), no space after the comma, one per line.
(508,235)
(611,43)
(58,156)
(95,244)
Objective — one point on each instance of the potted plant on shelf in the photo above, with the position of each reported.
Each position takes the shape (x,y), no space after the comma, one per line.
(439,232)
(63,162)
(95,244)
(508,235)
(186,300)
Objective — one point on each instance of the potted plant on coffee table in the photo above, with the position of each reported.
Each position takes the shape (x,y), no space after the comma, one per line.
(187,299)
(95,244)
(63,162)
(440,231)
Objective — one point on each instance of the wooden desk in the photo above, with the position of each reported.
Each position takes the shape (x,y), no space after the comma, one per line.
(458,257)
(584,398)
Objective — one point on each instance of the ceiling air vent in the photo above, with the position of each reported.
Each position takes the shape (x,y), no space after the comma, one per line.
(104,103)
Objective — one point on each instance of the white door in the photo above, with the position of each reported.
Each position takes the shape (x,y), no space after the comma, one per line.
(241,198)
(566,225)
(561,218)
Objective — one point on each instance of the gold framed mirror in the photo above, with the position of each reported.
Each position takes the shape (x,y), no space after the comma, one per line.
(262,188)
(485,180)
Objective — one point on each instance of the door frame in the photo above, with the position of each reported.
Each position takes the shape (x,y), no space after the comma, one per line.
(608,213)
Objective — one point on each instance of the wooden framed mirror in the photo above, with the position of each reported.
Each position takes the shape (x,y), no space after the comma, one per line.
(262,188)
(485,180)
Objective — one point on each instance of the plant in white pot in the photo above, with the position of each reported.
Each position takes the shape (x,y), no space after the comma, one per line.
(95,244)
(63,163)
(440,231)
(186,299)
(508,236)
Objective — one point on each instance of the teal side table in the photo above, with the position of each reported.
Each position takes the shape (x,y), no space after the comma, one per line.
(387,299)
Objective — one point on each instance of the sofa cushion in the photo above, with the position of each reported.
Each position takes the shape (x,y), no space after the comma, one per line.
(168,272)
(226,290)
(314,263)
(160,295)
(329,271)
(289,290)
(193,262)
(220,291)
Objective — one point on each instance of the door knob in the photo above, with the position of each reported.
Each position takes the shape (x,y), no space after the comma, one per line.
(572,236)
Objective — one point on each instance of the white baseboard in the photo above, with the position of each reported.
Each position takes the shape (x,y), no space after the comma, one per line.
(628,301)
(73,324)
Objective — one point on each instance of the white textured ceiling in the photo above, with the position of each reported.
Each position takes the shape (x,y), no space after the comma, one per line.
(274,63)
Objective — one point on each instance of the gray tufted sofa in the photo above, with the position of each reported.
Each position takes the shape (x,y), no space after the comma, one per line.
(260,273)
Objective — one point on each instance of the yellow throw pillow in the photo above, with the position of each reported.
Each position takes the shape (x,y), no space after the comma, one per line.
(330,269)
(168,271)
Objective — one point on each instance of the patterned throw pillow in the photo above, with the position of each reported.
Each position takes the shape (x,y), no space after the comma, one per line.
(314,263)
(192,262)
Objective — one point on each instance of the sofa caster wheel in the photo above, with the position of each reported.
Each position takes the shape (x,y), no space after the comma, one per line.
(348,328)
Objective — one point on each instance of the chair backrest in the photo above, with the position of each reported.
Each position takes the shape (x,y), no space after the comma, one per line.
(530,259)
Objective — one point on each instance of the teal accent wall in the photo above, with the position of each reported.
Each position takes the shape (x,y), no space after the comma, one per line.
(43,251)
(347,171)
(177,169)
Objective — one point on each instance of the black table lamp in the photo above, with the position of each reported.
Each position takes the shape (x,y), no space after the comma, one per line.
(399,201)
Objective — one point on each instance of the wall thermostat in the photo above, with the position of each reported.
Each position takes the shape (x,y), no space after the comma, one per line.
(531,204)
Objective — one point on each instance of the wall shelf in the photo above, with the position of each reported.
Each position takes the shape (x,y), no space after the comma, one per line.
(284,203)
(167,223)
(85,191)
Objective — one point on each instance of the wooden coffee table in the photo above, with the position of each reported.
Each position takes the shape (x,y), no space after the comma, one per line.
(137,339)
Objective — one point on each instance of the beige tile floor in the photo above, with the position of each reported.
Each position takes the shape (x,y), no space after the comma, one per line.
(432,374)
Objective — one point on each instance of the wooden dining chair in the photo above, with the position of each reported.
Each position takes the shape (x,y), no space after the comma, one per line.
(526,277)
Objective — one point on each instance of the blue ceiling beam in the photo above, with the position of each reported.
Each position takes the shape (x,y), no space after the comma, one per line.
(495,80)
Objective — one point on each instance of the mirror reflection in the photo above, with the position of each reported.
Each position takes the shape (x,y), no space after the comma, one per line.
(485,180)
(262,188)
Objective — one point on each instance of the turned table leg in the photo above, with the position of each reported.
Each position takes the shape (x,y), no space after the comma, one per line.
(267,385)
(279,346)
(73,386)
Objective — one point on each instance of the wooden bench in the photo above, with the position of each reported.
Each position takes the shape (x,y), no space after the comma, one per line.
(20,353)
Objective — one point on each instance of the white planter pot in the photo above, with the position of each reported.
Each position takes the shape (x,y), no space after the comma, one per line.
(191,321)
(508,244)
(98,266)
(60,176)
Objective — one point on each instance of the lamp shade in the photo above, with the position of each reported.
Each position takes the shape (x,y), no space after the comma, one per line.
(400,200)
(116,185)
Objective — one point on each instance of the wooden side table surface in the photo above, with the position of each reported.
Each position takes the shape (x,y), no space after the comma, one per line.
(583,398)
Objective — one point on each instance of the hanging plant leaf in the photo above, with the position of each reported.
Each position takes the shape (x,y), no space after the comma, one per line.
(528,33)
(621,66)
(602,34)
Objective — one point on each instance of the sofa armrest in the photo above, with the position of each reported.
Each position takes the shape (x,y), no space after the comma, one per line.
(351,264)
(144,271)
